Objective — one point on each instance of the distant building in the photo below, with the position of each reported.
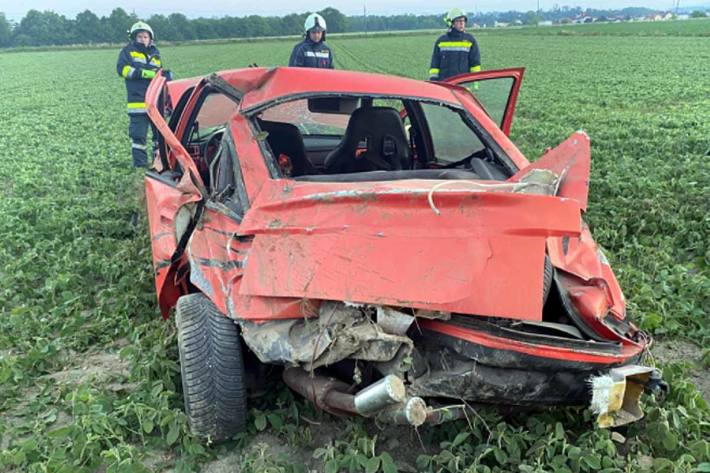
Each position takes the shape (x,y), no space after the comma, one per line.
(544,23)
(500,24)
(683,17)
(663,16)
(583,19)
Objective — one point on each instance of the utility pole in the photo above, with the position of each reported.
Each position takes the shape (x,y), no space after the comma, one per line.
(364,14)
(537,20)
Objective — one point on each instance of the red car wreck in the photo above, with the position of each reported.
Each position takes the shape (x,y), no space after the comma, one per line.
(383,241)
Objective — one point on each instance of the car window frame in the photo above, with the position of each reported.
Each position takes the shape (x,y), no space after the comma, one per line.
(483,135)
(204,92)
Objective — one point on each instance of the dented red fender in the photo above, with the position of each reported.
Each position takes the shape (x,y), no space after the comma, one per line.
(217,257)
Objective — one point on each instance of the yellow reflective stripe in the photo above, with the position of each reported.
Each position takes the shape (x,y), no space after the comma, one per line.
(137,54)
(155,61)
(434,71)
(475,69)
(133,105)
(126,70)
(455,44)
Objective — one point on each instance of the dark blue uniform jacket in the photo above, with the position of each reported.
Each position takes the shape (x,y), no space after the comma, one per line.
(310,54)
(131,61)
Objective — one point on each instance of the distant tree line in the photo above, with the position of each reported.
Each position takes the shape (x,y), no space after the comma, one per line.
(42,28)
(49,28)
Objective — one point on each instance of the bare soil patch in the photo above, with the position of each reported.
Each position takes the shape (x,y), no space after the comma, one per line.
(676,351)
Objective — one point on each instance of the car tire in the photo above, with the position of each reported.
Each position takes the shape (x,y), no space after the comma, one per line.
(212,369)
(547,279)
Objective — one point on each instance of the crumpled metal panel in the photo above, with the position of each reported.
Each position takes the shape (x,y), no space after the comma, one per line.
(217,256)
(163,203)
(341,331)
(383,244)
(571,161)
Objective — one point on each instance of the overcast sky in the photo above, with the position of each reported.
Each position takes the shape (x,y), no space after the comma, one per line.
(15,9)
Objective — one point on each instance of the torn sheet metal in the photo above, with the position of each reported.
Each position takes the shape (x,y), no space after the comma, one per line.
(571,161)
(539,181)
(338,333)
(393,321)
(583,258)
(616,395)
(163,203)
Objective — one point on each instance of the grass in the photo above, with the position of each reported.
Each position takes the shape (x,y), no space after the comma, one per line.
(88,370)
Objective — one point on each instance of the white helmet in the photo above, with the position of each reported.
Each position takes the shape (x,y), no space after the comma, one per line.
(454,14)
(315,22)
(140,26)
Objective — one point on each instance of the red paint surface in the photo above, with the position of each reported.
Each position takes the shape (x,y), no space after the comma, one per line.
(216,257)
(382,243)
(162,202)
(571,161)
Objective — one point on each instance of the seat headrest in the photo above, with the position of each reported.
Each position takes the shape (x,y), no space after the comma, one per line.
(374,113)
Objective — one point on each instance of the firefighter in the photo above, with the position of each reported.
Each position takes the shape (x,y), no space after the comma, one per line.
(138,63)
(455,52)
(312,51)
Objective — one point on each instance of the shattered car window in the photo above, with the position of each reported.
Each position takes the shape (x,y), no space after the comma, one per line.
(214,113)
(308,122)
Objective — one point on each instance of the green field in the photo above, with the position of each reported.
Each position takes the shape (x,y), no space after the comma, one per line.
(89,379)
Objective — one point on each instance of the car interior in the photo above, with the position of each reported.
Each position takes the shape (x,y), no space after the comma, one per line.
(352,139)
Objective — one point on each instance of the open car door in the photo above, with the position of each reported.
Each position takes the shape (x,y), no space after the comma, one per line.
(174,195)
(496,91)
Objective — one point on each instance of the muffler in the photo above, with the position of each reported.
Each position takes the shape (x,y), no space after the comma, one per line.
(386,399)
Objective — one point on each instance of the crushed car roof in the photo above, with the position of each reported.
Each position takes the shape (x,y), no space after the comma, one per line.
(262,86)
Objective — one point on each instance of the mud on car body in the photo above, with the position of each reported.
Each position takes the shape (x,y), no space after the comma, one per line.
(384,242)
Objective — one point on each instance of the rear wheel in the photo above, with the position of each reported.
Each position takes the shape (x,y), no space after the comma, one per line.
(212,369)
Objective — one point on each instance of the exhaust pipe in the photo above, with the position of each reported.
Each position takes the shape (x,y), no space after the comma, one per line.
(412,412)
(387,391)
(385,398)
(328,394)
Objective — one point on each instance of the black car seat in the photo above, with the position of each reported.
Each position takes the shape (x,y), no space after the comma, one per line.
(286,139)
(381,131)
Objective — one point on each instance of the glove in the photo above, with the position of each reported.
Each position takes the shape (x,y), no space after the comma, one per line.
(168,75)
(147,74)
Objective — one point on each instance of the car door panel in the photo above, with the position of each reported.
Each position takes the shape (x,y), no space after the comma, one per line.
(168,191)
(496,91)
